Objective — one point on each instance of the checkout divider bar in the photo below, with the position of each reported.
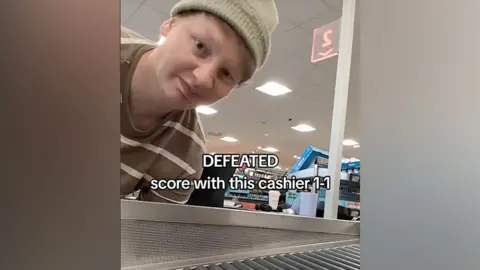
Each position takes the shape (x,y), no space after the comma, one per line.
(162,212)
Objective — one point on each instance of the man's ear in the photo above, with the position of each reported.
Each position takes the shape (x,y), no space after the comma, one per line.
(166,27)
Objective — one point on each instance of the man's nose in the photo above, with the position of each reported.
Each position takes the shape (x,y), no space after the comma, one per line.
(204,76)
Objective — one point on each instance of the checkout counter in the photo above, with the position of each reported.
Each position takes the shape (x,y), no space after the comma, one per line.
(167,236)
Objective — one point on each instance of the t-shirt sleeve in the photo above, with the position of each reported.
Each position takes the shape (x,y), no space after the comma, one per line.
(181,150)
(178,196)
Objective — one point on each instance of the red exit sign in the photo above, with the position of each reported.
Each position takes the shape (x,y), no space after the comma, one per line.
(325,41)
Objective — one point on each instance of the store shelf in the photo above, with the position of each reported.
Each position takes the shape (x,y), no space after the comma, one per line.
(322,172)
(346,204)
(250,197)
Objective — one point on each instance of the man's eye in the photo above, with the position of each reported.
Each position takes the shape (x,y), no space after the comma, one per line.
(226,76)
(199,45)
(226,73)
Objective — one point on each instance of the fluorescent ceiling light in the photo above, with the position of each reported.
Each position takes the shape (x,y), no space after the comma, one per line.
(349,142)
(229,139)
(274,89)
(270,149)
(303,128)
(356,146)
(206,110)
(297,157)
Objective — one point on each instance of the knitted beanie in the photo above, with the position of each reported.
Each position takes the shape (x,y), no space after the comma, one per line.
(253,20)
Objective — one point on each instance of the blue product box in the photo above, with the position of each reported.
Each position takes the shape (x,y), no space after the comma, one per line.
(351,165)
(308,157)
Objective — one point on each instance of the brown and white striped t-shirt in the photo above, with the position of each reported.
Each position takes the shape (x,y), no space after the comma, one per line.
(173,150)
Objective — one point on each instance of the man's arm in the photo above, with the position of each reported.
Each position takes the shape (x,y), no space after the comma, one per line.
(178,196)
(181,158)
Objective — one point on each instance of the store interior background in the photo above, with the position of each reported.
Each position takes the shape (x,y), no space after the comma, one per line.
(258,120)
(419,134)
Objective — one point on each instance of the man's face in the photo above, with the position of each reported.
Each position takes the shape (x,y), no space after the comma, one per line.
(201,61)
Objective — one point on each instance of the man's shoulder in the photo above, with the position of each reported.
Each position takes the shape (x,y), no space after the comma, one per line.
(131,41)
(198,123)
(189,121)
(182,138)
(128,36)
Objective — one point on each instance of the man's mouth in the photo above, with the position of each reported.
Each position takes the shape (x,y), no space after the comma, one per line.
(186,90)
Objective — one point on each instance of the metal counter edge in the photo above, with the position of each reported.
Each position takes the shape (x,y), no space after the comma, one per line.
(163,212)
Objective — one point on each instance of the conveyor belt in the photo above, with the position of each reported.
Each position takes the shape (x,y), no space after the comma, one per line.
(167,236)
(340,258)
(145,242)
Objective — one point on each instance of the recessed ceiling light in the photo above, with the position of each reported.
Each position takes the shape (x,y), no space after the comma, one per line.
(356,146)
(270,149)
(229,139)
(259,147)
(274,89)
(206,110)
(303,128)
(349,142)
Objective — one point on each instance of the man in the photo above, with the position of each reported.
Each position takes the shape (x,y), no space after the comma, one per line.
(209,48)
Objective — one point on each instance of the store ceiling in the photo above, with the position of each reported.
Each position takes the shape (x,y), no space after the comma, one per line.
(248,114)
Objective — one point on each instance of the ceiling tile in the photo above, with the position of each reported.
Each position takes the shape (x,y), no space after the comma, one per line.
(147,21)
(300,11)
(335,4)
(320,20)
(320,77)
(162,6)
(284,25)
(281,66)
(291,42)
(329,65)
(128,8)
